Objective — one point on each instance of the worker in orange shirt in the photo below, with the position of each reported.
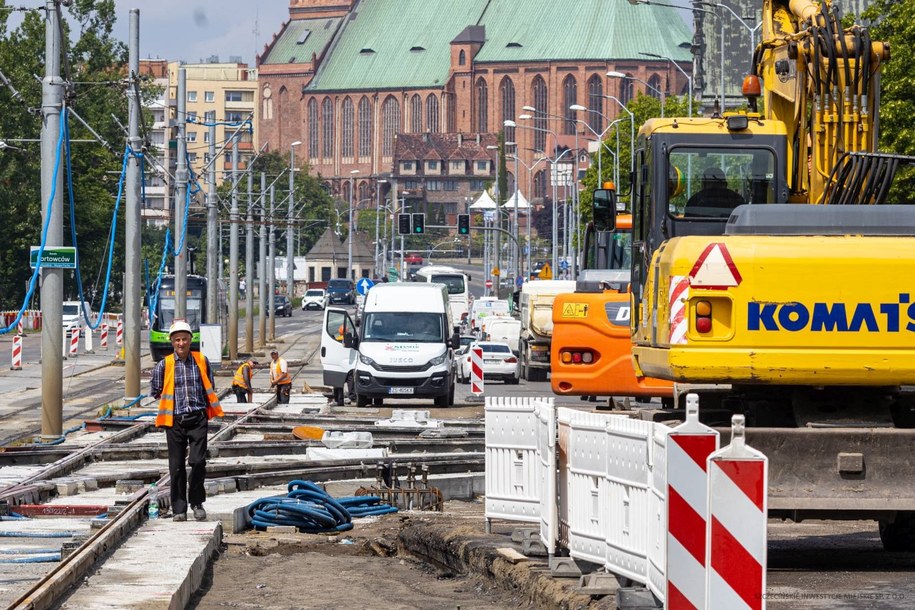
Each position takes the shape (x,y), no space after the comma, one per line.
(280,378)
(241,383)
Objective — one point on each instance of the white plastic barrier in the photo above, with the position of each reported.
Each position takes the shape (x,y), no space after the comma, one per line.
(546,454)
(629,463)
(513,474)
(634,497)
(588,511)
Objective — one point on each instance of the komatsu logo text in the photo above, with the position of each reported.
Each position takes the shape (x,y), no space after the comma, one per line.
(833,317)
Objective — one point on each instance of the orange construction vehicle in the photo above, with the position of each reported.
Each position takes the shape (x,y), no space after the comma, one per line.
(591,351)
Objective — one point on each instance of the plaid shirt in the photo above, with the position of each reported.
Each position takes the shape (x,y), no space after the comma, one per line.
(189,393)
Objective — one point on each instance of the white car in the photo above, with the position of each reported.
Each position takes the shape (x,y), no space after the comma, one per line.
(498,362)
(315,298)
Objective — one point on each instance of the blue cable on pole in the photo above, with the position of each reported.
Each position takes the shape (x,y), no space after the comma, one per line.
(311,509)
(44,231)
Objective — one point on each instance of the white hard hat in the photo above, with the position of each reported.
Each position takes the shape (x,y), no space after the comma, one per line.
(179,326)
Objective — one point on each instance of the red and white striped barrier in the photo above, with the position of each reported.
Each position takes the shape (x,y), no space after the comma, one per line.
(476,371)
(74,341)
(88,340)
(19,330)
(17,353)
(688,448)
(119,335)
(103,337)
(736,535)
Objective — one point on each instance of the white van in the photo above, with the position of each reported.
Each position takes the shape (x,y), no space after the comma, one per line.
(458,288)
(484,307)
(504,329)
(404,347)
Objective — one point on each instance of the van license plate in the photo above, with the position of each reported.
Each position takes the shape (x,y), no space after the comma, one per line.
(400,390)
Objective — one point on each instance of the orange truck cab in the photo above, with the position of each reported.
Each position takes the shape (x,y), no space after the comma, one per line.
(591,350)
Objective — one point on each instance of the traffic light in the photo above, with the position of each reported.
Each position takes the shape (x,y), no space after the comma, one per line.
(419,223)
(403,224)
(463,224)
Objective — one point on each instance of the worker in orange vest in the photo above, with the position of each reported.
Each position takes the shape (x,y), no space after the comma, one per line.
(183,383)
(280,378)
(241,383)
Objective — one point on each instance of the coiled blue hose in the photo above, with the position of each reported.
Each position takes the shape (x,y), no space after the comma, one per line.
(34,559)
(311,509)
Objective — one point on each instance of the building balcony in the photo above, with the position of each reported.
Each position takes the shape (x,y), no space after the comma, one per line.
(240,106)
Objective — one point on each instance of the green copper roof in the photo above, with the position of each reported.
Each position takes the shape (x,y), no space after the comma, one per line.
(406,43)
(301,39)
(542,30)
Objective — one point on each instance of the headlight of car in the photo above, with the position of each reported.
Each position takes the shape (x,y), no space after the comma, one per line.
(367,361)
(438,360)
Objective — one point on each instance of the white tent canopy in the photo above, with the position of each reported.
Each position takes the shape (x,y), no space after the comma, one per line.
(484,202)
(523,204)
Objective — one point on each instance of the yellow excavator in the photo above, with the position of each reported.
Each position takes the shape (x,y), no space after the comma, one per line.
(770,274)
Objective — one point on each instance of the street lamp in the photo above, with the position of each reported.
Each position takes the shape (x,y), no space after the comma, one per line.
(378,184)
(614,74)
(721,22)
(495,239)
(530,191)
(631,131)
(689,79)
(290,244)
(554,255)
(349,249)
(600,139)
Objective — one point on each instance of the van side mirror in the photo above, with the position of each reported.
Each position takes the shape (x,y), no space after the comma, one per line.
(350,340)
(455,341)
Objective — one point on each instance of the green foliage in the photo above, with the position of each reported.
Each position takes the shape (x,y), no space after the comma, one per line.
(894,22)
(92,58)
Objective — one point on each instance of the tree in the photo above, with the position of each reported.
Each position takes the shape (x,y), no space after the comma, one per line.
(894,22)
(96,61)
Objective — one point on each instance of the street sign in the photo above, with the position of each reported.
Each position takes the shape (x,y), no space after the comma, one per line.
(59,257)
(546,272)
(519,281)
(496,272)
(363,285)
(563,265)
(489,283)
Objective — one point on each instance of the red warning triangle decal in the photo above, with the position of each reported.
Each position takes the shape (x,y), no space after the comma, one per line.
(715,269)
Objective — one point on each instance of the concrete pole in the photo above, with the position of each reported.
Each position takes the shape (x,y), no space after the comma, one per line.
(133,300)
(214,263)
(351,232)
(554,259)
(52,287)
(290,244)
(271,269)
(249,268)
(233,257)
(394,222)
(181,176)
(520,256)
(378,184)
(262,265)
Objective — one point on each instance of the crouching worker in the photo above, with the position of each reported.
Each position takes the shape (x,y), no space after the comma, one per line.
(241,383)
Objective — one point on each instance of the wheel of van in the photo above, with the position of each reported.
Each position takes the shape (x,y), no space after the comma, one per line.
(898,535)
(362,401)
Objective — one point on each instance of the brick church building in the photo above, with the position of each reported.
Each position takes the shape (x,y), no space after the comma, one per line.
(346,77)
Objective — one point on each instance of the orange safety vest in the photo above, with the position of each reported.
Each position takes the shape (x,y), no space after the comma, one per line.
(239,378)
(277,375)
(167,400)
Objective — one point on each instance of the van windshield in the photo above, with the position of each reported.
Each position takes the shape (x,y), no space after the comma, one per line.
(403,327)
(455,283)
(71,310)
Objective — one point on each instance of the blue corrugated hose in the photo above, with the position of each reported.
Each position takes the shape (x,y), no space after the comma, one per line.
(311,509)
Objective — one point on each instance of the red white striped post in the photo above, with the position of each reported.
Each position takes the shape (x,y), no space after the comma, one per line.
(736,535)
(17,353)
(74,341)
(103,337)
(476,370)
(688,448)
(19,330)
(119,335)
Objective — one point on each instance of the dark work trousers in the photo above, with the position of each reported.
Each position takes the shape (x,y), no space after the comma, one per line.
(282,393)
(241,394)
(189,430)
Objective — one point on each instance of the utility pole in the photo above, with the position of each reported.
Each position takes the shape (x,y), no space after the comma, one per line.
(290,258)
(233,257)
(52,287)
(262,266)
(271,269)
(181,200)
(132,229)
(249,266)
(214,264)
